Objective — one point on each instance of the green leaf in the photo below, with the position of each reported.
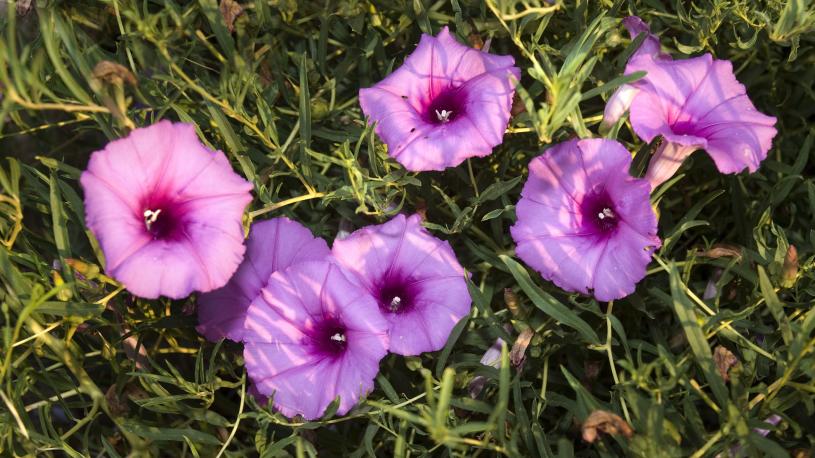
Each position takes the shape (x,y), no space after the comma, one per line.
(774,304)
(696,337)
(169,434)
(548,304)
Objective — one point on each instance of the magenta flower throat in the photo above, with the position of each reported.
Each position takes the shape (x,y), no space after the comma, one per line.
(583,222)
(446,103)
(166,211)
(312,336)
(272,245)
(417,281)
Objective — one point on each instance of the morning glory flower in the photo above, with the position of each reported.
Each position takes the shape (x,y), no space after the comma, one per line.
(312,336)
(416,279)
(446,103)
(620,101)
(695,104)
(166,211)
(272,245)
(583,222)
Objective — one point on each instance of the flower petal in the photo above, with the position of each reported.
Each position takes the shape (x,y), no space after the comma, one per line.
(197,242)
(402,256)
(281,357)
(272,245)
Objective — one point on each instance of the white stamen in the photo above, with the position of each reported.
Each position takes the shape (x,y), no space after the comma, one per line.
(395,303)
(606,213)
(150,217)
(338,337)
(444,115)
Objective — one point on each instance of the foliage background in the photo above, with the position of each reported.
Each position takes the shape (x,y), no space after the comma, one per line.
(88,370)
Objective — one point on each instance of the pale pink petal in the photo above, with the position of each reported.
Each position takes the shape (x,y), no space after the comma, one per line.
(415,278)
(166,211)
(446,103)
(272,245)
(312,335)
(578,203)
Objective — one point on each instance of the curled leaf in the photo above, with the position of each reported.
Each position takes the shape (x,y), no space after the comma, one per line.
(512,302)
(724,360)
(602,421)
(516,355)
(116,403)
(790,270)
(722,250)
(230,10)
(113,73)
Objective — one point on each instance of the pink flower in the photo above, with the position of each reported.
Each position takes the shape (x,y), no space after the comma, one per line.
(166,211)
(620,101)
(416,280)
(584,222)
(446,103)
(695,104)
(272,245)
(311,336)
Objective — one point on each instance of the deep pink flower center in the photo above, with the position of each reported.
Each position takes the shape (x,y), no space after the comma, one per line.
(599,213)
(163,218)
(446,106)
(329,338)
(395,294)
(685,128)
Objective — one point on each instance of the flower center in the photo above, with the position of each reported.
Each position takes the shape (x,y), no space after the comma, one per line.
(150,217)
(599,215)
(606,213)
(446,106)
(329,338)
(395,295)
(163,219)
(444,115)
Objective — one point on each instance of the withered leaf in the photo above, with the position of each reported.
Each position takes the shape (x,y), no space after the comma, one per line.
(117,404)
(603,421)
(724,360)
(113,73)
(230,10)
(722,250)
(790,270)
(516,355)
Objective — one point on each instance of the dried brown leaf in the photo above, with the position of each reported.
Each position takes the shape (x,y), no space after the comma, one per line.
(113,73)
(722,250)
(790,270)
(511,300)
(117,404)
(602,421)
(516,355)
(230,10)
(724,360)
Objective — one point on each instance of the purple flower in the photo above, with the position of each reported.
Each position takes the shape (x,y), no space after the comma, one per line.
(272,245)
(620,101)
(584,222)
(415,278)
(695,104)
(446,103)
(312,335)
(166,211)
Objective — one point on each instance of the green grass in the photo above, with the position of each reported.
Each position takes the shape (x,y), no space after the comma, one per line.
(279,97)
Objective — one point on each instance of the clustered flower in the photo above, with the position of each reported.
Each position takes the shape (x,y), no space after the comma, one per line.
(316,322)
